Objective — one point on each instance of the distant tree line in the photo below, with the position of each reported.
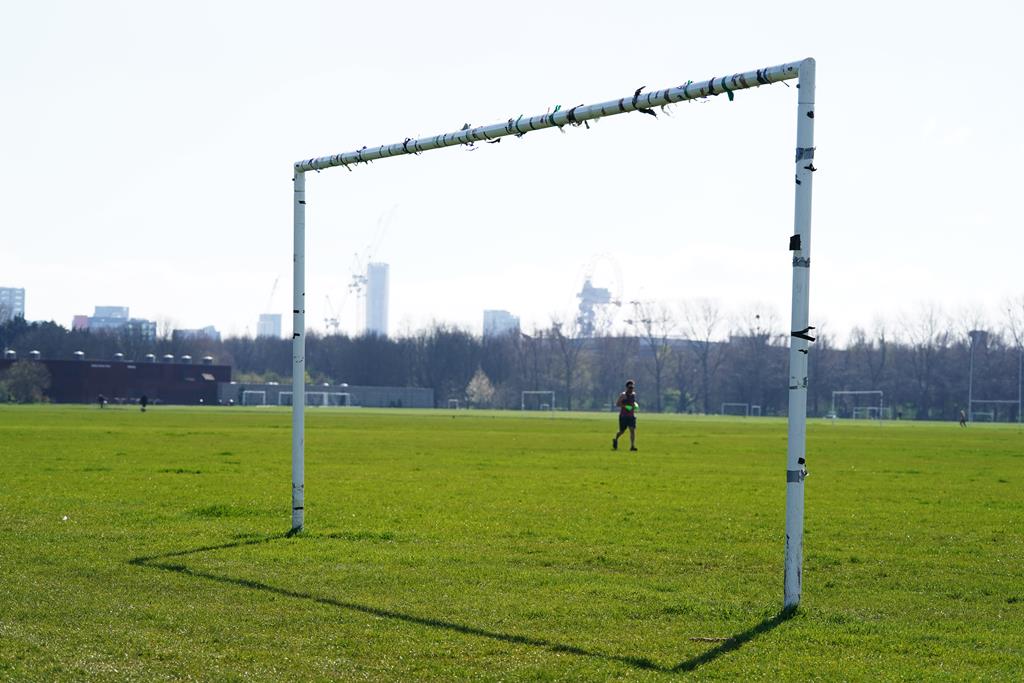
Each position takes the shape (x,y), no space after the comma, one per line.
(688,358)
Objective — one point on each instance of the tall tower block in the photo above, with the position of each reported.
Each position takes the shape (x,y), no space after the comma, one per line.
(377,299)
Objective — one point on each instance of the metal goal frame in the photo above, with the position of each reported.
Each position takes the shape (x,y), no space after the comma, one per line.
(799,245)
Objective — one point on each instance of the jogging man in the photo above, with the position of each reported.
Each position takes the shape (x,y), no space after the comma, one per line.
(627,405)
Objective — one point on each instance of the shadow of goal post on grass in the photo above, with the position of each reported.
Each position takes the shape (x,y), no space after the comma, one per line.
(172,562)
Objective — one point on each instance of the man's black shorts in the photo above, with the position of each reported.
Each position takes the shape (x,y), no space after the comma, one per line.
(626,421)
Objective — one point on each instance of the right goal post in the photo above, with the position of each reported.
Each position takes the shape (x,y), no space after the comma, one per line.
(801,331)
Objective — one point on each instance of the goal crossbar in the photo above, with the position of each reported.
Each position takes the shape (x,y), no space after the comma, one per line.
(520,126)
(799,244)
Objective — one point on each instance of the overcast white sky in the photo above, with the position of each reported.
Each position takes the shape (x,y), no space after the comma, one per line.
(146,152)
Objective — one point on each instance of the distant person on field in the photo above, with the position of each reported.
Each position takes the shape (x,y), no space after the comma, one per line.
(102,400)
(627,405)
(143,402)
(963,419)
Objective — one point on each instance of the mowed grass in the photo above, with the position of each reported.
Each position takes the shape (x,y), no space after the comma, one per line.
(498,546)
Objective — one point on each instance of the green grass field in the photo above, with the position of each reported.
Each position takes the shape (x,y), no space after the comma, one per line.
(497,546)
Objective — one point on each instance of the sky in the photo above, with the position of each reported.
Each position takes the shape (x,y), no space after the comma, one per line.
(146,154)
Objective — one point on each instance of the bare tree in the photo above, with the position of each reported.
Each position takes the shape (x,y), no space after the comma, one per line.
(534,358)
(752,353)
(654,324)
(1015,320)
(569,344)
(611,364)
(966,320)
(870,353)
(702,322)
(928,333)
(164,327)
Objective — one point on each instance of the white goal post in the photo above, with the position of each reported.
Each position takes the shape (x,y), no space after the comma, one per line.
(550,405)
(867,413)
(317,398)
(876,409)
(743,408)
(251,397)
(799,244)
(339,399)
(995,409)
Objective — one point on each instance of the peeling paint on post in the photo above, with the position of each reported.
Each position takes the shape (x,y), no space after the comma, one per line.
(800,339)
(299,354)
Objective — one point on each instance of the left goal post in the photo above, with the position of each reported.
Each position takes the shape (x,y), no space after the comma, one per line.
(799,245)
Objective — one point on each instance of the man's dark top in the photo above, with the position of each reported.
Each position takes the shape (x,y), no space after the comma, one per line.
(627,417)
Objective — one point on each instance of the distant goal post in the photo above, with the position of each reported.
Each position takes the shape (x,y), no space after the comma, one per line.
(994,410)
(859,404)
(535,400)
(253,397)
(332,399)
(737,409)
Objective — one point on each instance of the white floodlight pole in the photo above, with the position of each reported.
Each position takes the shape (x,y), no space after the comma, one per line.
(800,336)
(299,354)
(579,115)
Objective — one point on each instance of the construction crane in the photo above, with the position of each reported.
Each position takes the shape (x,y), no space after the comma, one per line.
(357,285)
(332,323)
(641,315)
(270,299)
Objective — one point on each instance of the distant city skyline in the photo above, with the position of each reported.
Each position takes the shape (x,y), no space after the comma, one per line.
(732,322)
(167,185)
